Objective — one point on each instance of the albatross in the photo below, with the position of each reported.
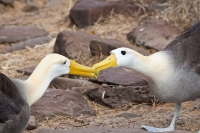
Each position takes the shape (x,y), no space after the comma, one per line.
(16,96)
(173,74)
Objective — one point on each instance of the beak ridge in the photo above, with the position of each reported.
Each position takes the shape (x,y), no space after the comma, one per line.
(78,69)
(110,61)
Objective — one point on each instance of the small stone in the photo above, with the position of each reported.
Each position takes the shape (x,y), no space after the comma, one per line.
(164,122)
(128,115)
(30,7)
(32,124)
(180,122)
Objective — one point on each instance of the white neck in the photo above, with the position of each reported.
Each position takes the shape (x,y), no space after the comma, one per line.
(152,66)
(37,84)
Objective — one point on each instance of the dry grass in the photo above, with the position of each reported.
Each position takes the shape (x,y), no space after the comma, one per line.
(181,13)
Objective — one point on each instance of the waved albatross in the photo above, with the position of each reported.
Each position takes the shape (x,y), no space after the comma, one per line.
(173,74)
(16,96)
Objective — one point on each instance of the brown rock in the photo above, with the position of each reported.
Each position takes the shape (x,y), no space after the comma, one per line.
(7,2)
(15,34)
(30,43)
(71,44)
(121,76)
(32,124)
(30,7)
(87,12)
(117,95)
(155,34)
(62,103)
(104,47)
(67,83)
(104,130)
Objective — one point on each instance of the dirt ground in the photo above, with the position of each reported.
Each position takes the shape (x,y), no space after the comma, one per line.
(55,19)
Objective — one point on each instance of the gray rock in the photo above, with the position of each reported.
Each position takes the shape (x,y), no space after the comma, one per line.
(121,76)
(116,96)
(61,103)
(155,34)
(30,43)
(16,34)
(87,12)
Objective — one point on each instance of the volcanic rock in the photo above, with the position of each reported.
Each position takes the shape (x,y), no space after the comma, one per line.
(57,102)
(87,12)
(115,96)
(15,34)
(121,76)
(155,34)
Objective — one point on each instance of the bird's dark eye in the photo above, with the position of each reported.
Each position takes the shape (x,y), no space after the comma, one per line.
(64,62)
(123,52)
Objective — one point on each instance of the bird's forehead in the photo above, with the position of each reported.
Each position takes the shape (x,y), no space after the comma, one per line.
(55,58)
(118,50)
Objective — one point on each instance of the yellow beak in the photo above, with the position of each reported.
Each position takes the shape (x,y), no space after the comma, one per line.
(110,61)
(78,69)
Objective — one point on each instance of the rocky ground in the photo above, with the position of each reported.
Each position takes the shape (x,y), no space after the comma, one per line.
(86,31)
